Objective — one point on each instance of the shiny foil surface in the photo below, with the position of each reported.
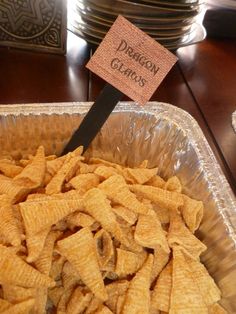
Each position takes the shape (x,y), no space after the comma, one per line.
(165,135)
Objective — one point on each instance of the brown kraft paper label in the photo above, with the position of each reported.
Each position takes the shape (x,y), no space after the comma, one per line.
(131,61)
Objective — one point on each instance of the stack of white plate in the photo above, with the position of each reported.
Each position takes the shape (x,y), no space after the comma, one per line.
(173,23)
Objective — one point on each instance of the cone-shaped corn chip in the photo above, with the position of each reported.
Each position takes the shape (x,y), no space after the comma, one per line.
(125,214)
(192,212)
(78,302)
(39,215)
(160,299)
(53,166)
(84,182)
(16,294)
(205,283)
(156,181)
(137,299)
(115,290)
(15,191)
(104,245)
(132,245)
(9,169)
(173,184)
(40,301)
(93,306)
(20,308)
(185,296)
(103,310)
(127,263)
(139,175)
(161,258)
(216,309)
(13,270)
(162,214)
(32,175)
(8,224)
(70,277)
(4,304)
(149,232)
(44,261)
(179,234)
(56,268)
(85,168)
(105,172)
(65,173)
(35,244)
(97,205)
(80,251)
(120,304)
(117,190)
(163,198)
(95,160)
(80,220)
(55,294)
(61,306)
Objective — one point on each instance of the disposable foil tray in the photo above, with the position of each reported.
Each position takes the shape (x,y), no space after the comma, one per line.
(165,135)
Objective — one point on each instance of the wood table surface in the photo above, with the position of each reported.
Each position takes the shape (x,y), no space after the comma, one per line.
(203,83)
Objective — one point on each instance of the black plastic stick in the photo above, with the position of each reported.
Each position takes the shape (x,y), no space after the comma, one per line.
(95,118)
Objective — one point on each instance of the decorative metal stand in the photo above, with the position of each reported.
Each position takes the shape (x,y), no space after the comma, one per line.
(34,24)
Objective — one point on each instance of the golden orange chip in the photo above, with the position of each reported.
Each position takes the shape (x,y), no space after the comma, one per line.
(103,310)
(54,165)
(117,190)
(40,301)
(44,261)
(143,164)
(35,244)
(127,263)
(129,216)
(139,175)
(69,276)
(185,295)
(161,258)
(156,181)
(205,283)
(192,212)
(173,184)
(14,271)
(104,245)
(163,198)
(84,182)
(94,305)
(78,302)
(4,304)
(55,294)
(132,245)
(56,268)
(162,214)
(9,169)
(149,233)
(160,299)
(120,304)
(65,173)
(11,188)
(79,249)
(80,220)
(216,309)
(33,174)
(95,160)
(39,215)
(97,205)
(114,290)
(20,308)
(9,230)
(64,299)
(16,294)
(179,234)
(137,299)
(105,171)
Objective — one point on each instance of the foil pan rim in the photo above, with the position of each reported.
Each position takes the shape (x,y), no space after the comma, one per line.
(225,198)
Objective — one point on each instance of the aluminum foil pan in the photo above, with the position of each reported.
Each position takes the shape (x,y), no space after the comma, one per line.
(165,135)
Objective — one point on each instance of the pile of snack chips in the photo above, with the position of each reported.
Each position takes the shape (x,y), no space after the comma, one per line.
(91,236)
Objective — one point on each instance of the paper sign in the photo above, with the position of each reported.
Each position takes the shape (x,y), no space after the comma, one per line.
(131,61)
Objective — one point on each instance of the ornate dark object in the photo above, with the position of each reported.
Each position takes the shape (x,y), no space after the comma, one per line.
(34,24)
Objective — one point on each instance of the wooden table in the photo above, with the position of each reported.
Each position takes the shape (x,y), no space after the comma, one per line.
(202,83)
